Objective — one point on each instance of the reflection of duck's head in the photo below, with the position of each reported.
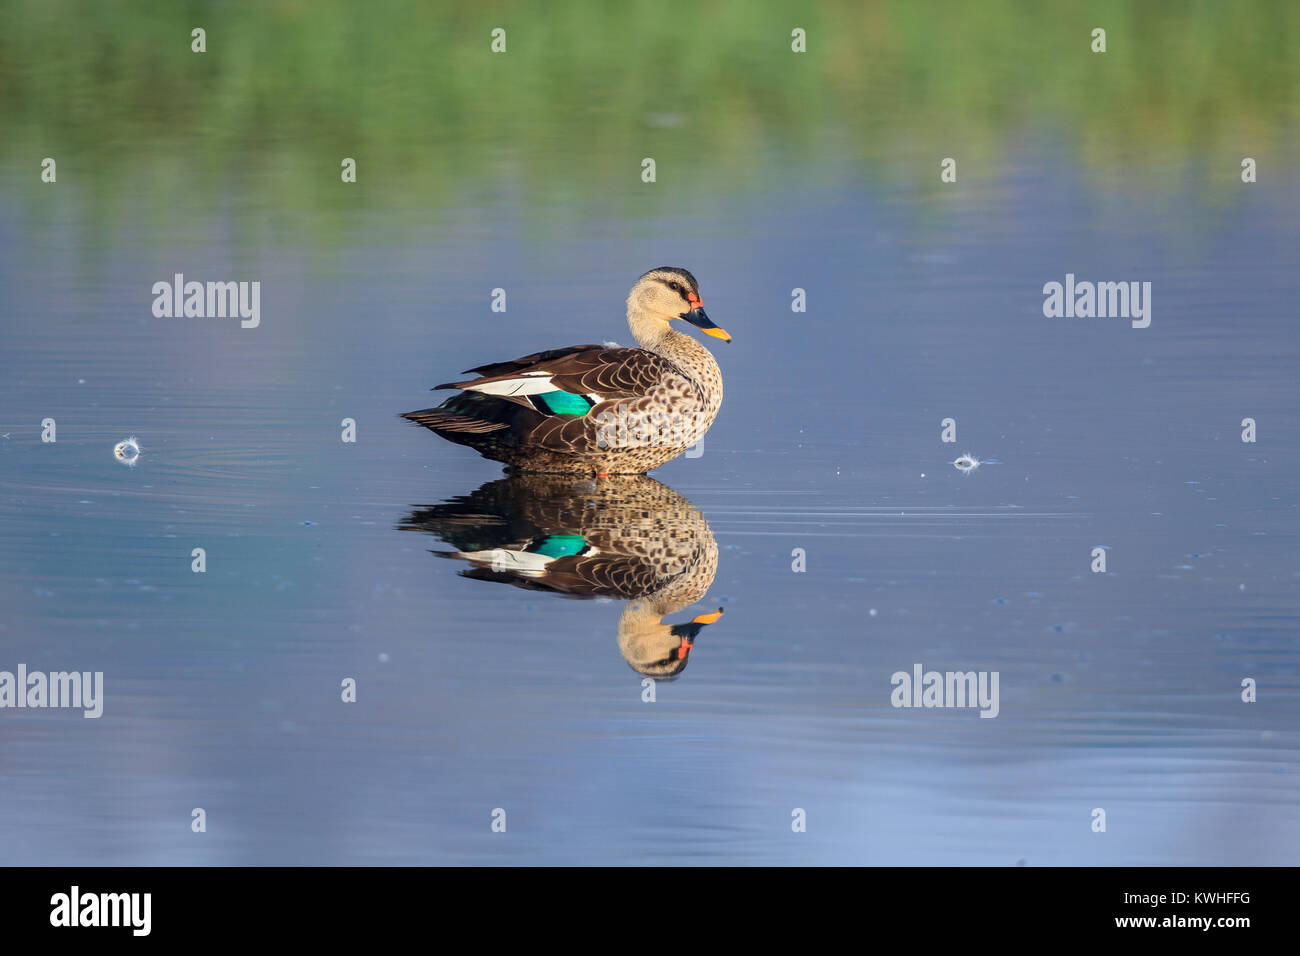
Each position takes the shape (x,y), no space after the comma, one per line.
(627,537)
(654,648)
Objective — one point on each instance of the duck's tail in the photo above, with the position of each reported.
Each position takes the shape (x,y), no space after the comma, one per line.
(466,414)
(437,420)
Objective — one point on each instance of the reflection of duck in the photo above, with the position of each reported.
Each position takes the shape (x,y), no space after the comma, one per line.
(593,410)
(629,538)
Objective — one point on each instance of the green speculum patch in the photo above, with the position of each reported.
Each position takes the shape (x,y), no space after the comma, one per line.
(560,545)
(565,403)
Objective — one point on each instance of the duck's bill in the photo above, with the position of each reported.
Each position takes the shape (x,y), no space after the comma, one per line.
(698,319)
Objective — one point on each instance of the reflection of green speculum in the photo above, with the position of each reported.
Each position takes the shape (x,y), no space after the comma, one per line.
(558,545)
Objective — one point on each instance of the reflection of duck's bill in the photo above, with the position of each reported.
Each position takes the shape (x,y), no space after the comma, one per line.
(691,630)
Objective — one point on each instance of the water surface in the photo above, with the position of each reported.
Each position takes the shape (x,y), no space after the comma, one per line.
(1118,690)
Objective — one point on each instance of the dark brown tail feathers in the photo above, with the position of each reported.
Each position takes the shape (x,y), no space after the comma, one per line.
(435,419)
(470,413)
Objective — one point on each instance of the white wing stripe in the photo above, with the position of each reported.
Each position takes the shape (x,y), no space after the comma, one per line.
(531,385)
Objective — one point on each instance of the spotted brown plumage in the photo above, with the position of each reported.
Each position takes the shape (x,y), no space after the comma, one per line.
(627,538)
(591,409)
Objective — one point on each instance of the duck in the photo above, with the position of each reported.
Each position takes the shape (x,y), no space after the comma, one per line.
(627,538)
(595,410)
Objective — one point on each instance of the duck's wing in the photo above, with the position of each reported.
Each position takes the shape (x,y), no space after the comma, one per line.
(560,400)
(590,575)
(525,363)
(591,372)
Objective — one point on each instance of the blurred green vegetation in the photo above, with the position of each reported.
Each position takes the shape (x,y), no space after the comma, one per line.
(709,88)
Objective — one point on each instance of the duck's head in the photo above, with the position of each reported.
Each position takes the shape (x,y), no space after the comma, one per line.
(669,293)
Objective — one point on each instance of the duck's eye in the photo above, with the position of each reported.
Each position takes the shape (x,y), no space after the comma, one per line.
(675,287)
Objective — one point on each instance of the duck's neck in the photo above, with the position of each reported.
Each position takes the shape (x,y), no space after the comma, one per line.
(654,335)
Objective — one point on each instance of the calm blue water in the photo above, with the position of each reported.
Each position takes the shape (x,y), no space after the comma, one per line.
(1118,690)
